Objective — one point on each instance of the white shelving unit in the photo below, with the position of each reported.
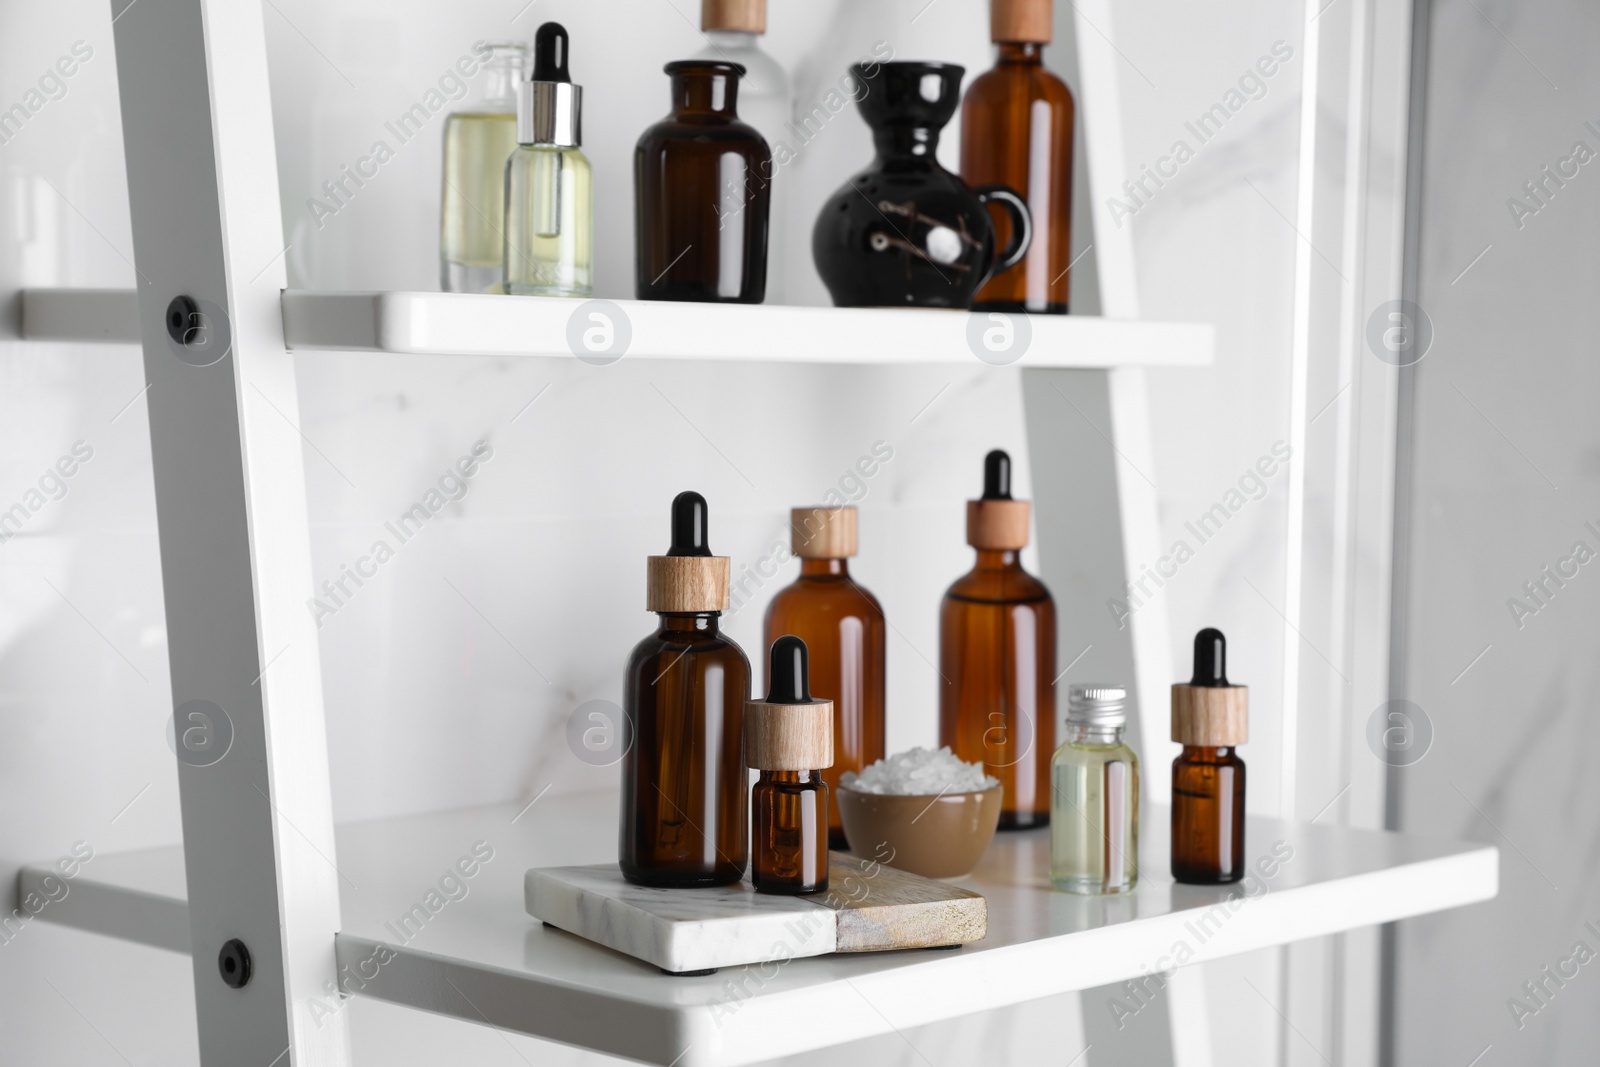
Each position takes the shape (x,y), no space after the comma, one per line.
(483,959)
(262,862)
(466,324)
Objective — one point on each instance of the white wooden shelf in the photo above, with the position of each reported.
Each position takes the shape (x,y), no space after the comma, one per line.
(481,958)
(483,325)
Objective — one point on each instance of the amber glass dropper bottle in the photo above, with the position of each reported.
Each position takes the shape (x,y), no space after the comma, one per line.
(843,627)
(997,656)
(1210,718)
(1016,129)
(685,791)
(789,739)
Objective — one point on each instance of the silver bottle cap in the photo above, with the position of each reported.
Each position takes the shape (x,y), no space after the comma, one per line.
(1093,704)
(550,113)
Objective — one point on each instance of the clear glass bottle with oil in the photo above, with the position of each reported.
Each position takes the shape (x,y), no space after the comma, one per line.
(1094,821)
(478,139)
(549,203)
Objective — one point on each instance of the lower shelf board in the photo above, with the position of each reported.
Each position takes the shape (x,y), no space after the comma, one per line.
(433,918)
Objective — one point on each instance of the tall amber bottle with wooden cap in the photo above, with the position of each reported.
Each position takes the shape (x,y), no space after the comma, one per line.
(789,739)
(1210,718)
(843,627)
(1016,129)
(997,656)
(685,791)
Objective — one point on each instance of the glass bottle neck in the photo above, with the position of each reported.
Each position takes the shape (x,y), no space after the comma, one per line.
(791,777)
(732,40)
(1022,53)
(1206,753)
(502,72)
(705,92)
(998,559)
(824,568)
(703,622)
(1079,733)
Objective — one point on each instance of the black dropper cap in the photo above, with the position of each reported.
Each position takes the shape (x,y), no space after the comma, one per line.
(1210,658)
(789,673)
(997,476)
(689,513)
(550,54)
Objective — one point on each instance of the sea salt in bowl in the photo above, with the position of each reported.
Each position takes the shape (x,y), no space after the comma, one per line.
(921,811)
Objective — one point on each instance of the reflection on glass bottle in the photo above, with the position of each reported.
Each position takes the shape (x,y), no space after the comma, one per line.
(549,234)
(997,656)
(701,194)
(1016,129)
(1094,817)
(478,138)
(685,791)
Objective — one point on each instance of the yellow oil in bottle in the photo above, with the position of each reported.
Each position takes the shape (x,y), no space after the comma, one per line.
(472,220)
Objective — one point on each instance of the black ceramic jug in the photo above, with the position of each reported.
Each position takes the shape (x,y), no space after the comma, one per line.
(905,232)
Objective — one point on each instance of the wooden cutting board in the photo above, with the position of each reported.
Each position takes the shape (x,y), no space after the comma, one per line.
(868,907)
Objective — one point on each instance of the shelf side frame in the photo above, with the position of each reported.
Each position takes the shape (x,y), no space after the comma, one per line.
(234,535)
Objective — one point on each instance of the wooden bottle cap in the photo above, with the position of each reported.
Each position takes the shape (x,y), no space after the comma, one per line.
(746,16)
(1210,716)
(997,524)
(788,737)
(683,584)
(1019,20)
(823,533)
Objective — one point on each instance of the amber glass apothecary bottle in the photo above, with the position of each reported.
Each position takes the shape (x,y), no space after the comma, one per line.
(997,656)
(702,182)
(685,791)
(789,738)
(1210,719)
(1016,129)
(842,625)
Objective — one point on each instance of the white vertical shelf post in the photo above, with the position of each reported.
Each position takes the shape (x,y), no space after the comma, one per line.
(235,545)
(1092,457)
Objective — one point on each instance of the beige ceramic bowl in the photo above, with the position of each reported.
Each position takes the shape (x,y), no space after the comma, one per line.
(934,836)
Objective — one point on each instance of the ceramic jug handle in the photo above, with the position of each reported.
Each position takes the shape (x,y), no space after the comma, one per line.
(1021,225)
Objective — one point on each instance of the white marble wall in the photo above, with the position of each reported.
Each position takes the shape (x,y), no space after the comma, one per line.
(1507,469)
(449,677)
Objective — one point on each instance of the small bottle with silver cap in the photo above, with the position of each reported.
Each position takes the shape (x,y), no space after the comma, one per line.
(549,202)
(788,737)
(1094,818)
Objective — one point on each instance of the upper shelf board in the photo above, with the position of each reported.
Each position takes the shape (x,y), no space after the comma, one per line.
(433,918)
(603,331)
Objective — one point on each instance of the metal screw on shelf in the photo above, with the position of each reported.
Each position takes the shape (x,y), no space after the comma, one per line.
(233,962)
(183,320)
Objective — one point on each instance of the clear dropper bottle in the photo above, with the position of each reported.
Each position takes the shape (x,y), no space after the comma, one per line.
(549,201)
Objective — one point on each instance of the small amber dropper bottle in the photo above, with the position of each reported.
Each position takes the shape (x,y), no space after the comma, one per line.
(685,790)
(789,739)
(997,656)
(1210,718)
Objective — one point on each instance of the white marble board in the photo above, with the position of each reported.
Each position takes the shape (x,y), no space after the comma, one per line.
(867,907)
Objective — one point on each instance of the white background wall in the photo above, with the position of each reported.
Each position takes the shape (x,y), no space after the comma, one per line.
(1507,468)
(432,707)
